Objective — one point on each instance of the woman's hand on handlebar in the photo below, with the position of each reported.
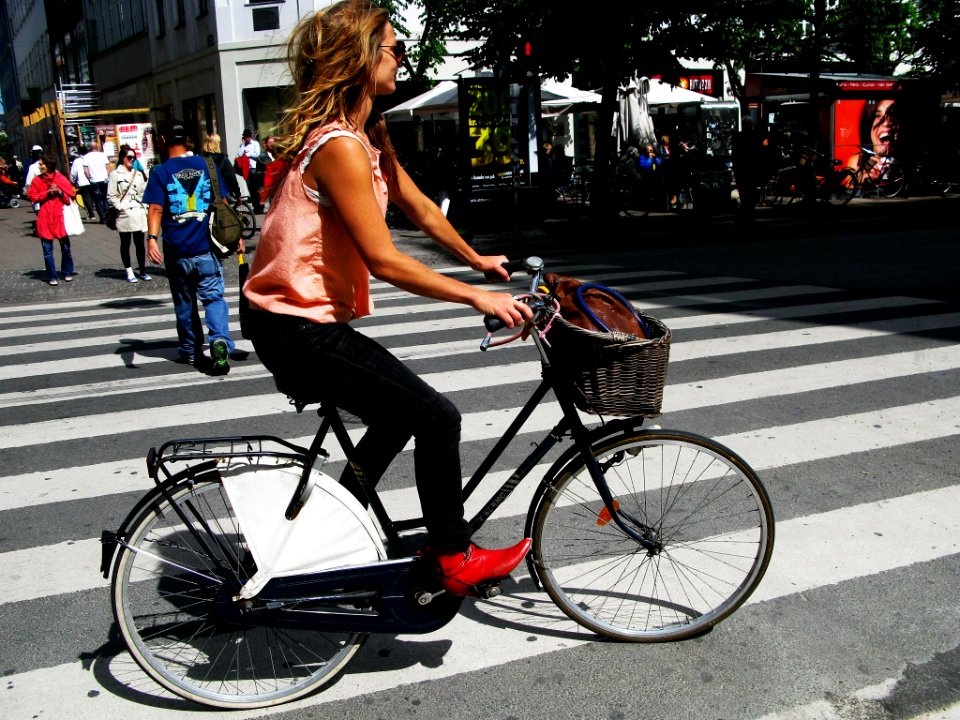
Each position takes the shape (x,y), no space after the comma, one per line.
(492,267)
(504,306)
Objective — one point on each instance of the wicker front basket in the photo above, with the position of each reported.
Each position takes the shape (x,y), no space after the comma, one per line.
(617,374)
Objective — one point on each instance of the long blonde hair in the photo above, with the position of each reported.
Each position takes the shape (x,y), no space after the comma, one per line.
(333,55)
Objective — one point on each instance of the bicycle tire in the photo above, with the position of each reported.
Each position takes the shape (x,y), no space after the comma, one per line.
(706,506)
(892,182)
(843,187)
(173,617)
(249,220)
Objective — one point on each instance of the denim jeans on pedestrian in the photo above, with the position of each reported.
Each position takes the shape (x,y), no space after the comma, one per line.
(192,279)
(334,363)
(66,258)
(99,190)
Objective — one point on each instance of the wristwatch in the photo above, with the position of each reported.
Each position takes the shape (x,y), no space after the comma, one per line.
(152,237)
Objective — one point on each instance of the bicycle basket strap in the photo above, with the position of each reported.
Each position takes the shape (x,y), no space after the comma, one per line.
(597,304)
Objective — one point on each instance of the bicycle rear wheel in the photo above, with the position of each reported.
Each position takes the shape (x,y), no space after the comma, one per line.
(172,599)
(248,219)
(702,504)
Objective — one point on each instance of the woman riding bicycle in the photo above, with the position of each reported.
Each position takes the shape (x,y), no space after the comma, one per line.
(324,235)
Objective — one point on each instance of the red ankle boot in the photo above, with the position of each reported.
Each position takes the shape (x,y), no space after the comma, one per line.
(461,572)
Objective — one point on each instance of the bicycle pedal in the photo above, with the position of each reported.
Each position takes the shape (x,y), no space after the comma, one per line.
(425,598)
(488,590)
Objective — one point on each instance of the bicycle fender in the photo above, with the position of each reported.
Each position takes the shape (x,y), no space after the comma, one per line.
(110,540)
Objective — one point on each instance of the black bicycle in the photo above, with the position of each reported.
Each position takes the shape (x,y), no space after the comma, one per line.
(247,217)
(248,578)
(811,177)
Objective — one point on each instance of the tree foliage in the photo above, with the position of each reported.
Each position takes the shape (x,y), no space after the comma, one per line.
(602,47)
(936,33)
(873,37)
(598,47)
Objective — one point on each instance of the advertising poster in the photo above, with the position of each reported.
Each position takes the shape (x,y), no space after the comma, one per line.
(107,139)
(138,137)
(868,132)
(490,116)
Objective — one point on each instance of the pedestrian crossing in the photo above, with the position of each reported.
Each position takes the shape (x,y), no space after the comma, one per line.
(845,403)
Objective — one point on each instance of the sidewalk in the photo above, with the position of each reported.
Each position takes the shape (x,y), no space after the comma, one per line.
(99,272)
(96,256)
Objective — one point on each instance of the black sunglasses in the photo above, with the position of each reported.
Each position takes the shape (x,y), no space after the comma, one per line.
(129,157)
(398,50)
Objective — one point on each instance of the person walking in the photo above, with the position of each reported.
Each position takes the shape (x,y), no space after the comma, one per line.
(211,149)
(324,236)
(51,191)
(78,177)
(250,150)
(16,169)
(125,193)
(178,194)
(96,166)
(266,157)
(32,171)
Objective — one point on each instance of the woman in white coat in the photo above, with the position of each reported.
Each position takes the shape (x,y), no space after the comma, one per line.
(125,193)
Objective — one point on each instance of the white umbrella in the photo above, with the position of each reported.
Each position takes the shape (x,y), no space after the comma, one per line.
(440,99)
(661,93)
(559,96)
(634,124)
(444,98)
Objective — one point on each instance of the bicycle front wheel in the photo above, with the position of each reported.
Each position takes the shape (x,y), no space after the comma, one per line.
(248,219)
(172,598)
(704,508)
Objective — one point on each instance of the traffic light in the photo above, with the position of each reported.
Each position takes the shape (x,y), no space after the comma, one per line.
(527,55)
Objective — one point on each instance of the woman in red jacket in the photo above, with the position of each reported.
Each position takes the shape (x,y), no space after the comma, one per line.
(52,191)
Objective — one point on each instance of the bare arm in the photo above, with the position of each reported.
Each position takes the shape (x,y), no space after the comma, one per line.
(428,217)
(341,170)
(154,216)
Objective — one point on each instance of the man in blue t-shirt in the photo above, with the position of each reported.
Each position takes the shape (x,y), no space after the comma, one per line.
(179,195)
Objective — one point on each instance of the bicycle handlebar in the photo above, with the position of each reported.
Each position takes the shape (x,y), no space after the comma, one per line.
(533,265)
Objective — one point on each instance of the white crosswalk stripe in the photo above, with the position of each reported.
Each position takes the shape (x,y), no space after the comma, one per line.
(768,370)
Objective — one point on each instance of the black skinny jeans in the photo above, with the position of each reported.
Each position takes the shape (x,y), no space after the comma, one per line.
(137,237)
(334,363)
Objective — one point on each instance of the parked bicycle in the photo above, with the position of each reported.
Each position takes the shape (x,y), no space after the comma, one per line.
(247,216)
(880,176)
(812,176)
(248,578)
(932,178)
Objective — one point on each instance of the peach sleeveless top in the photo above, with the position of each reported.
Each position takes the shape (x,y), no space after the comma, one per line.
(306,264)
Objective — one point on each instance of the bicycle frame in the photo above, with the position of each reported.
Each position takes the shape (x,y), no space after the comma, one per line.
(372,597)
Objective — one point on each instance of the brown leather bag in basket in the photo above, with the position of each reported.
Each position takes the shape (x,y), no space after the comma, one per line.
(595,307)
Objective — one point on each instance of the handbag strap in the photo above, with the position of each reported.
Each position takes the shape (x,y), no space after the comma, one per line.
(214,181)
(133,177)
(581,302)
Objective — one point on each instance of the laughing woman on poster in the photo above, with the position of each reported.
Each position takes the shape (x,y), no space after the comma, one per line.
(879,137)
